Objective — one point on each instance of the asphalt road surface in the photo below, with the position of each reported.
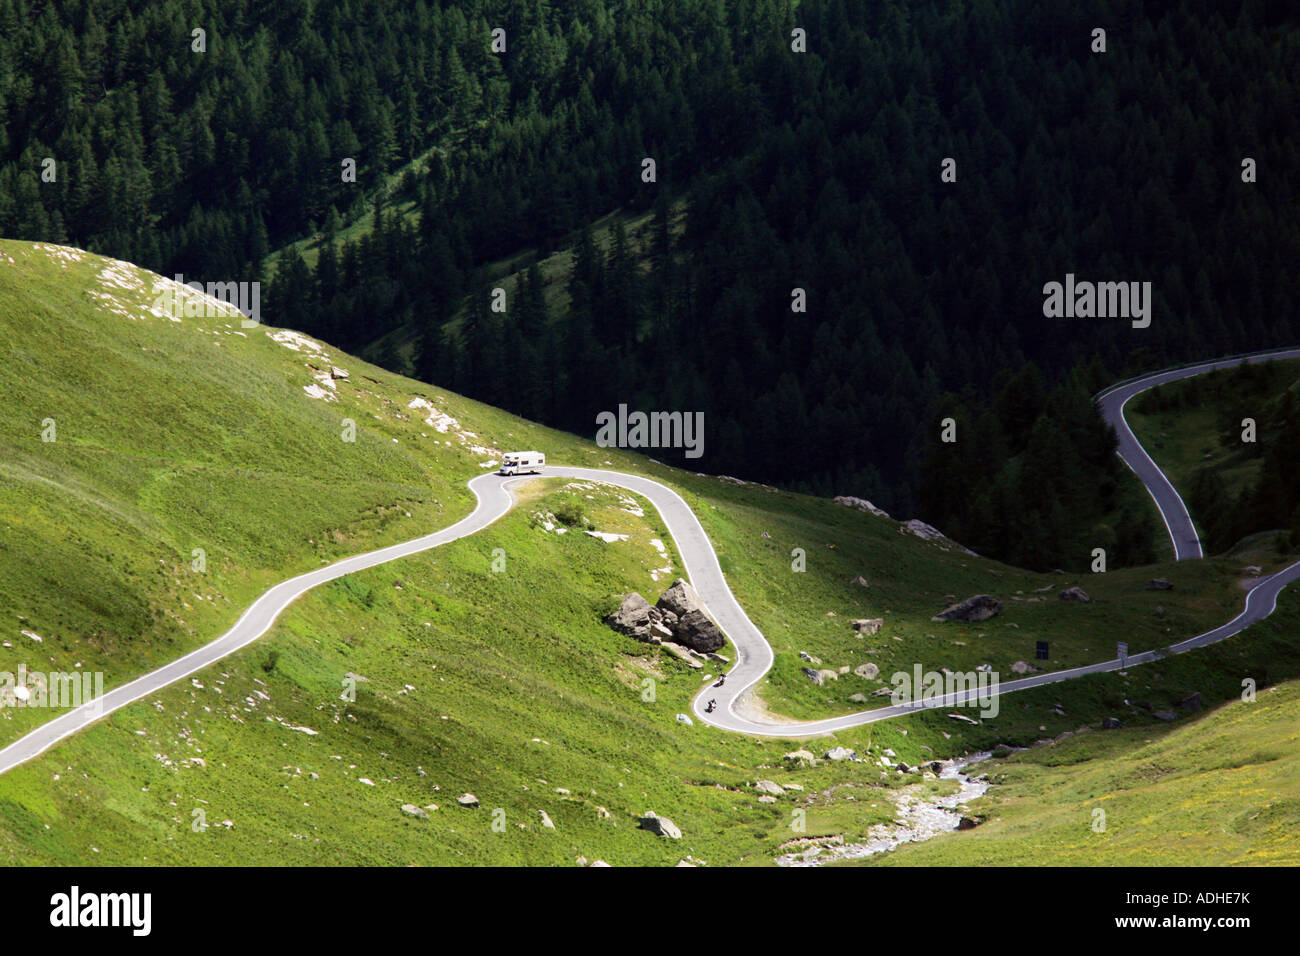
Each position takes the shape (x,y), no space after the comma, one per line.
(1182,532)
(733,710)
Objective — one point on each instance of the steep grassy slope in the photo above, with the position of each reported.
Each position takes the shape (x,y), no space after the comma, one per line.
(172,436)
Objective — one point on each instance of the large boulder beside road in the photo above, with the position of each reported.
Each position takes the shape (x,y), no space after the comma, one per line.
(632,617)
(677,618)
(696,631)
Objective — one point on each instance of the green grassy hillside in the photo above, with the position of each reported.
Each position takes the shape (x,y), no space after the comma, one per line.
(198,433)
(1220,790)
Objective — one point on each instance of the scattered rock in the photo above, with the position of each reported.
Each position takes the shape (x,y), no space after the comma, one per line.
(804,758)
(769,786)
(813,675)
(1159,584)
(767,798)
(1110,723)
(685,719)
(841,753)
(868,625)
(546,819)
(1166,715)
(1023,667)
(805,656)
(967,823)
(1192,703)
(978,608)
(1252,569)
(411,810)
(869,671)
(1075,593)
(682,654)
(660,826)
(467,800)
(860,581)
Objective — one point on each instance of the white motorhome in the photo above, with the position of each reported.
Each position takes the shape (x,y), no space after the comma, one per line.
(523,463)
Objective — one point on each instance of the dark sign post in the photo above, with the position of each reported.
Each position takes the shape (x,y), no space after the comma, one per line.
(1042,650)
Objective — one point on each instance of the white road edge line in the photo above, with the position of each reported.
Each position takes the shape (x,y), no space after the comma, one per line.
(754,655)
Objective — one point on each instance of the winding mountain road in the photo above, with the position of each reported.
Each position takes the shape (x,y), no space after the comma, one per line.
(734,710)
(1187,544)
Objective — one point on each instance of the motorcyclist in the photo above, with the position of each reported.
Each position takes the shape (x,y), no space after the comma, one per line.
(713,702)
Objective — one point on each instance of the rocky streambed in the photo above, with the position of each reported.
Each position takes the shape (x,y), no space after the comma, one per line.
(918,818)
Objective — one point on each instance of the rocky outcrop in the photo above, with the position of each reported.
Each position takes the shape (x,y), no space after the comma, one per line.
(696,631)
(679,598)
(868,625)
(869,671)
(660,826)
(928,532)
(676,618)
(800,758)
(632,617)
(841,753)
(1075,593)
(981,607)
(861,504)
